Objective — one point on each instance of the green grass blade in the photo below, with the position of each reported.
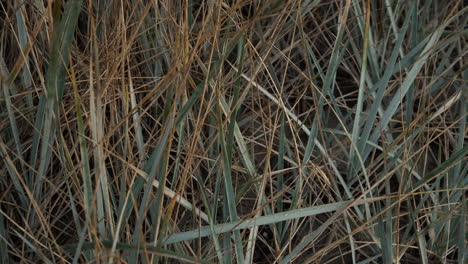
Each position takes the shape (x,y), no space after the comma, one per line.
(85,167)
(35,249)
(10,110)
(87,245)
(23,40)
(261,220)
(226,146)
(380,89)
(359,107)
(3,241)
(55,81)
(14,174)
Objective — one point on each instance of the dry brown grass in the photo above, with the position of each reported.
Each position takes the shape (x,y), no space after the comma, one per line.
(125,125)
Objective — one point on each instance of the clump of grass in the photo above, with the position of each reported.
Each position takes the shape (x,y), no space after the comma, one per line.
(233,131)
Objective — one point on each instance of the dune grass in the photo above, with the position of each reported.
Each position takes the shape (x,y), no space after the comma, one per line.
(240,131)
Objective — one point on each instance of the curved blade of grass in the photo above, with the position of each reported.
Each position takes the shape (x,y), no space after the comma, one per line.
(55,82)
(190,103)
(226,147)
(357,117)
(79,245)
(367,33)
(86,171)
(23,40)
(14,174)
(11,115)
(136,119)
(263,220)
(461,234)
(89,245)
(458,174)
(353,166)
(337,52)
(3,242)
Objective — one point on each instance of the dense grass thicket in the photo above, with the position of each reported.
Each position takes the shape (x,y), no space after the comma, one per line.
(233,131)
